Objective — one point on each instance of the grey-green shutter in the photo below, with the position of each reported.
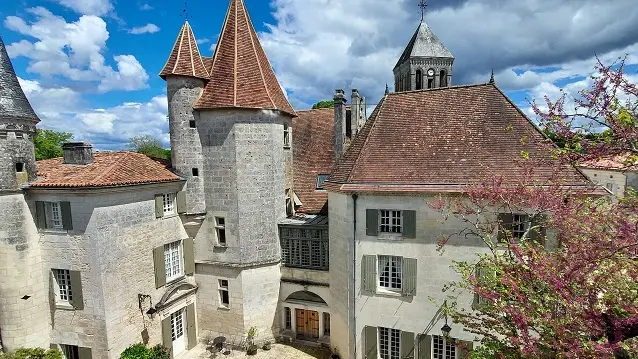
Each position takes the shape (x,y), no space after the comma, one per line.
(370,342)
(189,257)
(77,299)
(369,273)
(425,347)
(464,348)
(407,345)
(409,224)
(505,224)
(159,206)
(40,215)
(409,276)
(538,234)
(191,331)
(181,202)
(167,338)
(372,222)
(67,220)
(84,353)
(160,270)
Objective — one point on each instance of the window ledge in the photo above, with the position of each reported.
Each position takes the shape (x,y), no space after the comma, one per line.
(64,306)
(168,216)
(170,281)
(390,237)
(224,308)
(220,246)
(287,147)
(54,231)
(389,293)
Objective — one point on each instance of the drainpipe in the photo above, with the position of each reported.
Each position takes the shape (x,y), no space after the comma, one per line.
(354,269)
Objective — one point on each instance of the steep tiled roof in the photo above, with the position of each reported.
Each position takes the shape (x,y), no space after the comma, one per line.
(185,59)
(313,154)
(445,137)
(241,75)
(13,102)
(424,43)
(619,162)
(108,169)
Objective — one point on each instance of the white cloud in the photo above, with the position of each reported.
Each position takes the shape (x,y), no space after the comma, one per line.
(146,29)
(213,47)
(73,50)
(202,41)
(88,7)
(146,7)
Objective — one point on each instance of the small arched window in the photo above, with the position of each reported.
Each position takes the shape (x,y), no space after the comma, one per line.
(443,79)
(419,80)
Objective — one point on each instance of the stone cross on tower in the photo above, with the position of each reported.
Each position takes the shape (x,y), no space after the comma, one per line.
(423,4)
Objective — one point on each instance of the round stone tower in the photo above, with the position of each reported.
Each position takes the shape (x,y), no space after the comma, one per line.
(24,319)
(186,75)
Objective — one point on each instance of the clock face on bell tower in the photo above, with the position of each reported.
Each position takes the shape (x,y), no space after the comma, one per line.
(430,72)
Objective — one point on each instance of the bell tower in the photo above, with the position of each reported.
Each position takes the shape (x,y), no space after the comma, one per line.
(425,63)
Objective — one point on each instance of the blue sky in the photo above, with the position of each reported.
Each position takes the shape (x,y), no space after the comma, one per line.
(90,66)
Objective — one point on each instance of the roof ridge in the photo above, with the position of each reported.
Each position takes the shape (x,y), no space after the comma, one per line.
(235,59)
(201,57)
(179,49)
(219,40)
(252,42)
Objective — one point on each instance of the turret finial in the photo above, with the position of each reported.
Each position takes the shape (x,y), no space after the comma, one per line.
(492,77)
(423,4)
(185,11)
(387,89)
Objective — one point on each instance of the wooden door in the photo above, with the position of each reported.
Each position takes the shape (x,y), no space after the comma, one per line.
(313,324)
(300,314)
(307,322)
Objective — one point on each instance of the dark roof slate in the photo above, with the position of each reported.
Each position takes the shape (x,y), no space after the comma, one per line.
(424,43)
(13,103)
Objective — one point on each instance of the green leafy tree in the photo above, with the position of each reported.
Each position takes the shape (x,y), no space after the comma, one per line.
(32,353)
(149,146)
(48,143)
(324,104)
(141,351)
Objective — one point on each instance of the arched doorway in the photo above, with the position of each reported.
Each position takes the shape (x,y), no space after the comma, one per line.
(307,315)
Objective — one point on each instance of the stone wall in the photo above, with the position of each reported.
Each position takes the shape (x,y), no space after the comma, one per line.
(260,287)
(14,149)
(24,321)
(186,148)
(605,177)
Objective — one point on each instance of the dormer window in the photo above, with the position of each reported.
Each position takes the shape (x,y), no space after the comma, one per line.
(320,180)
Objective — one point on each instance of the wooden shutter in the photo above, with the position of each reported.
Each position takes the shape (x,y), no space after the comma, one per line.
(538,234)
(505,224)
(84,353)
(409,224)
(464,348)
(372,222)
(40,215)
(191,330)
(77,300)
(370,342)
(181,202)
(167,338)
(189,256)
(160,269)
(407,345)
(67,220)
(159,206)
(409,276)
(425,346)
(369,273)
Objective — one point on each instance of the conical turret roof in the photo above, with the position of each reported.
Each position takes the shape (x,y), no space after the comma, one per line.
(185,59)
(424,43)
(241,76)
(13,102)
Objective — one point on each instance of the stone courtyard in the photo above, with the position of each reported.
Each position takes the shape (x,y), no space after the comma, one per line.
(277,351)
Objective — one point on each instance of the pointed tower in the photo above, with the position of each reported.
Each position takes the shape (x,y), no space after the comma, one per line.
(186,75)
(425,63)
(244,126)
(24,309)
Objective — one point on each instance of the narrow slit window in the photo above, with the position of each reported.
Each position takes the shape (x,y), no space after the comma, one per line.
(286,135)
(192,124)
(224,299)
(19,167)
(288,317)
(419,80)
(195,172)
(220,230)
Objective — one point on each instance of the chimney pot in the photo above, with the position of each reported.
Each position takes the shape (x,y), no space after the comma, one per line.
(77,153)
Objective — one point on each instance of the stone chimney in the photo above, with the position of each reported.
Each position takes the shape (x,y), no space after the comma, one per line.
(339,132)
(77,153)
(355,113)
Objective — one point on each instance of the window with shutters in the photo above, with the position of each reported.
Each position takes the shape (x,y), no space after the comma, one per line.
(168,203)
(390,221)
(69,351)
(443,348)
(173,261)
(389,343)
(390,273)
(63,290)
(519,225)
(53,215)
(304,248)
(224,299)
(220,231)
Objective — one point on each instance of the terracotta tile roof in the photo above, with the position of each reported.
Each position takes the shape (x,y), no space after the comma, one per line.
(108,169)
(208,62)
(185,59)
(448,136)
(313,154)
(241,75)
(618,162)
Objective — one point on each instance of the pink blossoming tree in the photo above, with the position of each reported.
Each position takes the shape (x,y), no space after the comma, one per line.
(560,279)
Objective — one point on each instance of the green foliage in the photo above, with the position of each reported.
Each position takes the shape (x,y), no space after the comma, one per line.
(324,104)
(149,146)
(136,351)
(48,143)
(160,352)
(32,353)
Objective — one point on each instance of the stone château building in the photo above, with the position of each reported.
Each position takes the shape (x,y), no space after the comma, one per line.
(305,225)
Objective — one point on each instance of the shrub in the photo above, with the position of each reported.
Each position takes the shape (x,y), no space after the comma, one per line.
(136,351)
(160,352)
(32,353)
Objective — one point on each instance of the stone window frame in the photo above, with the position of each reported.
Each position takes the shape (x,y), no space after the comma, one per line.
(287,135)
(306,248)
(223,287)
(169,204)
(62,286)
(287,318)
(173,258)
(69,351)
(389,343)
(53,211)
(390,277)
(444,348)
(220,231)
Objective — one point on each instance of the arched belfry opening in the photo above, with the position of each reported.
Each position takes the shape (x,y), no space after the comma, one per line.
(443,79)
(419,80)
